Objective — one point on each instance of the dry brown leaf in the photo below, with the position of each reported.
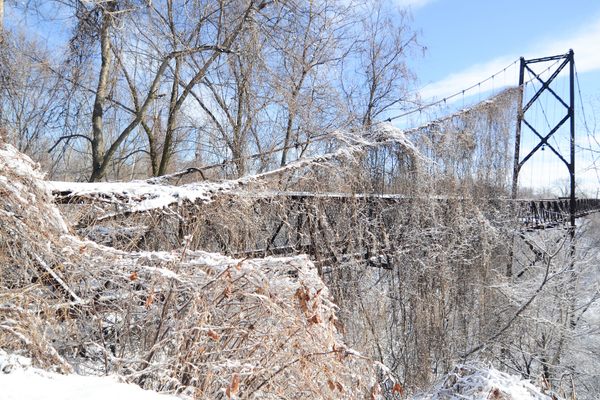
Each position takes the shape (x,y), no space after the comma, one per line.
(398,389)
(340,349)
(303,298)
(234,387)
(213,335)
(330,384)
(303,305)
(149,299)
(133,276)
(315,319)
(302,293)
(339,325)
(339,386)
(495,394)
(339,353)
(238,266)
(260,290)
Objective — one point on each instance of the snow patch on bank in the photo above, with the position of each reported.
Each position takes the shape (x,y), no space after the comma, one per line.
(22,182)
(476,382)
(20,381)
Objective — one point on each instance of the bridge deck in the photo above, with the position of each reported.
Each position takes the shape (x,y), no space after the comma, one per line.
(550,213)
(533,213)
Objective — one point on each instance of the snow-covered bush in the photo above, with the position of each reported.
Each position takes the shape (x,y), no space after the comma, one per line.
(180,321)
(478,382)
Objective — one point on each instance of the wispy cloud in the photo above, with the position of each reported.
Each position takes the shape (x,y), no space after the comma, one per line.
(584,43)
(413,4)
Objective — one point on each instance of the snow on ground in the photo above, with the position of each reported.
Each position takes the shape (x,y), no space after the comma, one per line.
(476,382)
(20,381)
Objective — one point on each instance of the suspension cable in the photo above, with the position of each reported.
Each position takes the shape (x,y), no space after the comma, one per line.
(586,126)
(327,135)
(445,99)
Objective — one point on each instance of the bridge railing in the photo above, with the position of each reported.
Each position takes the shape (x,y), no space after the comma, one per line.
(545,213)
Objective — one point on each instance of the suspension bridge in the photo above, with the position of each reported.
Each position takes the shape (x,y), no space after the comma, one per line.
(300,208)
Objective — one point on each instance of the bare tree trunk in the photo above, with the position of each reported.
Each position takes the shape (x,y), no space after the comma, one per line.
(373,86)
(101,93)
(238,135)
(2,59)
(172,117)
(152,145)
(1,17)
(171,122)
(290,124)
(293,108)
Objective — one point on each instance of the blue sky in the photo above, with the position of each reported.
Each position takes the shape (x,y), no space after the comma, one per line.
(470,40)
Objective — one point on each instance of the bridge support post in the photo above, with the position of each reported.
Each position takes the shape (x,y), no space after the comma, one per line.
(563,60)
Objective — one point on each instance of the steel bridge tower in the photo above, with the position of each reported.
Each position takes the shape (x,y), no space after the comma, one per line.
(563,61)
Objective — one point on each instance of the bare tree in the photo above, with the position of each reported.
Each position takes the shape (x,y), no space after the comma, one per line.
(316,41)
(100,18)
(232,25)
(380,76)
(233,117)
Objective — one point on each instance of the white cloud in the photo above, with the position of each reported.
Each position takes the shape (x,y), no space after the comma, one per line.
(456,82)
(585,43)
